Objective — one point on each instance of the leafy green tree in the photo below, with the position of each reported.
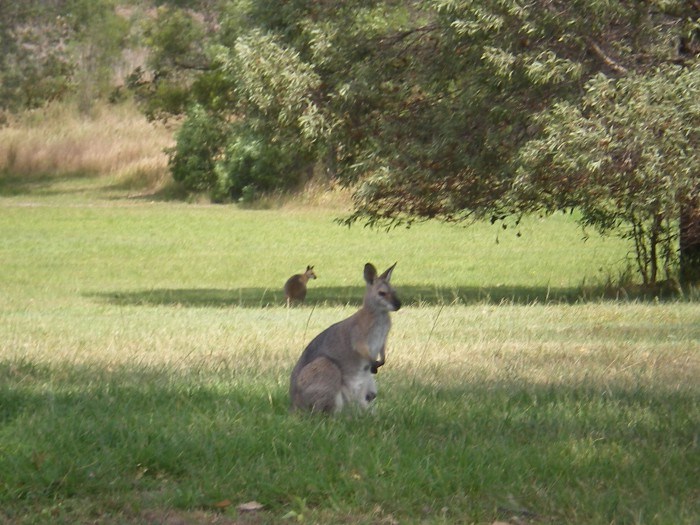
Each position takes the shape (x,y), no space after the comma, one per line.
(469,115)
(627,155)
(252,89)
(199,142)
(175,39)
(435,109)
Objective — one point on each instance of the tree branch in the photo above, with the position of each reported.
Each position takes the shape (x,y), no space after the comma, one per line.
(398,37)
(603,56)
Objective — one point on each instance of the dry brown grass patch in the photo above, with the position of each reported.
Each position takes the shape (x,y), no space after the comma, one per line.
(112,141)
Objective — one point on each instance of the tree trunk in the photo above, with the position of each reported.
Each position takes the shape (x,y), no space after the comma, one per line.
(653,244)
(690,242)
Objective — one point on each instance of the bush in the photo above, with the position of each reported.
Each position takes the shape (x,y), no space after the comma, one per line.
(232,161)
(252,164)
(199,143)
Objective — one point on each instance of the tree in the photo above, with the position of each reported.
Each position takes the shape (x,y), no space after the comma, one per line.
(468,143)
(434,109)
(176,40)
(627,155)
(252,90)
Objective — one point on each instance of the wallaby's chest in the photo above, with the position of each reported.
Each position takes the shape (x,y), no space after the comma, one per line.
(376,337)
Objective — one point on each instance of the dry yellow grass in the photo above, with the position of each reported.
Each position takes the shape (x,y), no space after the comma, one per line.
(112,141)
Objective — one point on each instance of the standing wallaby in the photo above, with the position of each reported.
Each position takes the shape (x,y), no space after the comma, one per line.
(336,367)
(295,287)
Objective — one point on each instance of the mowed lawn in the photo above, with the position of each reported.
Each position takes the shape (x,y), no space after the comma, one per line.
(145,353)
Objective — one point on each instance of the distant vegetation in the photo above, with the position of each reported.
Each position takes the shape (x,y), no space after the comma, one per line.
(449,110)
(114,145)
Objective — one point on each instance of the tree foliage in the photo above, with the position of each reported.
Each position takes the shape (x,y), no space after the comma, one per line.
(193,159)
(57,49)
(175,39)
(627,155)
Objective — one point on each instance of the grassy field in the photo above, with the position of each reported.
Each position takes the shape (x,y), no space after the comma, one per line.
(145,354)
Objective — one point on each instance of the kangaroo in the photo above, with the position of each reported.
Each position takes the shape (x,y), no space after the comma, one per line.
(337,367)
(295,287)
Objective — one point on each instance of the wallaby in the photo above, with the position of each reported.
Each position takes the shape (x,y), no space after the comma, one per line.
(336,367)
(295,287)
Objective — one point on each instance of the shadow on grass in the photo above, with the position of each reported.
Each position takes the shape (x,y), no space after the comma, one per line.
(41,184)
(335,296)
(188,439)
(135,189)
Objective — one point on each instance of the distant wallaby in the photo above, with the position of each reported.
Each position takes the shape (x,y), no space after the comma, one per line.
(336,367)
(295,287)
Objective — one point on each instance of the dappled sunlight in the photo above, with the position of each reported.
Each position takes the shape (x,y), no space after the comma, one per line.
(193,422)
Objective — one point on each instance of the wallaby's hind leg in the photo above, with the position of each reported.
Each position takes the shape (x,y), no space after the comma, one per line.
(318,387)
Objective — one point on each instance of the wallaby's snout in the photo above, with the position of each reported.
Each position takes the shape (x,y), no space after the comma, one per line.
(395,303)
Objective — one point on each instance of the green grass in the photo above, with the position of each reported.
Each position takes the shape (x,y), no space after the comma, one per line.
(145,356)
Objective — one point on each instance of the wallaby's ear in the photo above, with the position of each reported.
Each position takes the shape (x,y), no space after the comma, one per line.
(387,274)
(370,273)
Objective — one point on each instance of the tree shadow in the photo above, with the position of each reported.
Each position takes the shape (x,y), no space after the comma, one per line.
(134,190)
(84,431)
(256,297)
(41,184)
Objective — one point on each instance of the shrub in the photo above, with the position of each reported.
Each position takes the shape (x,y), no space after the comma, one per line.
(199,143)
(232,161)
(252,164)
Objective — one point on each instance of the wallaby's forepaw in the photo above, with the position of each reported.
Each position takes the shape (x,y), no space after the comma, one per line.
(376,365)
